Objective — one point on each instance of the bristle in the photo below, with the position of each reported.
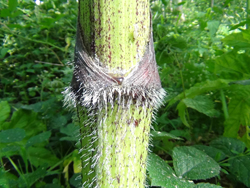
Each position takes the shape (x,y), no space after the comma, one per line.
(102,100)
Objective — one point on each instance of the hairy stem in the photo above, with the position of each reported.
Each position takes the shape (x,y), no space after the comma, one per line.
(115,87)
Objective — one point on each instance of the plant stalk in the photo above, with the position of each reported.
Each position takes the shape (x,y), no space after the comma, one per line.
(115,87)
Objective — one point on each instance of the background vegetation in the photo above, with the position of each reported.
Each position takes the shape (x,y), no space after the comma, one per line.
(201,137)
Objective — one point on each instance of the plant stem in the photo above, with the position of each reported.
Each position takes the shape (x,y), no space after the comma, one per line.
(224,104)
(116,86)
(18,171)
(122,146)
(248,12)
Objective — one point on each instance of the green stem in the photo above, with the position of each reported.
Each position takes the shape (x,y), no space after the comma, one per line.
(59,162)
(183,87)
(248,12)
(18,171)
(114,40)
(224,104)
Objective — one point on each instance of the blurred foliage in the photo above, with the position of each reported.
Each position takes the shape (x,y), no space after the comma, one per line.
(202,134)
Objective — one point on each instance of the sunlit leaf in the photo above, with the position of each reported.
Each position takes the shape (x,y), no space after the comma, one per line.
(201,88)
(238,40)
(200,103)
(239,111)
(232,65)
(163,175)
(159,135)
(191,163)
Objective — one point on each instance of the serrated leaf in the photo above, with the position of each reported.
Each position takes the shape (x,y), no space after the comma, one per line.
(42,137)
(4,111)
(206,185)
(239,113)
(12,135)
(214,153)
(163,175)
(240,168)
(159,135)
(26,120)
(191,163)
(228,144)
(201,88)
(240,41)
(232,65)
(200,103)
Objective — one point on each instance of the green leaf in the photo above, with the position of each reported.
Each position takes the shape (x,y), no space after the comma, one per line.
(212,152)
(3,52)
(240,168)
(243,23)
(200,103)
(239,112)
(213,27)
(7,150)
(4,111)
(26,120)
(58,121)
(7,179)
(240,41)
(181,107)
(76,180)
(181,3)
(228,144)
(163,175)
(206,185)
(232,65)
(12,4)
(5,12)
(159,135)
(70,130)
(192,163)
(12,135)
(42,137)
(28,179)
(200,88)
(40,156)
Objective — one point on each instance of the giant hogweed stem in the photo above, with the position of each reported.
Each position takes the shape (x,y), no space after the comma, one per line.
(117,84)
